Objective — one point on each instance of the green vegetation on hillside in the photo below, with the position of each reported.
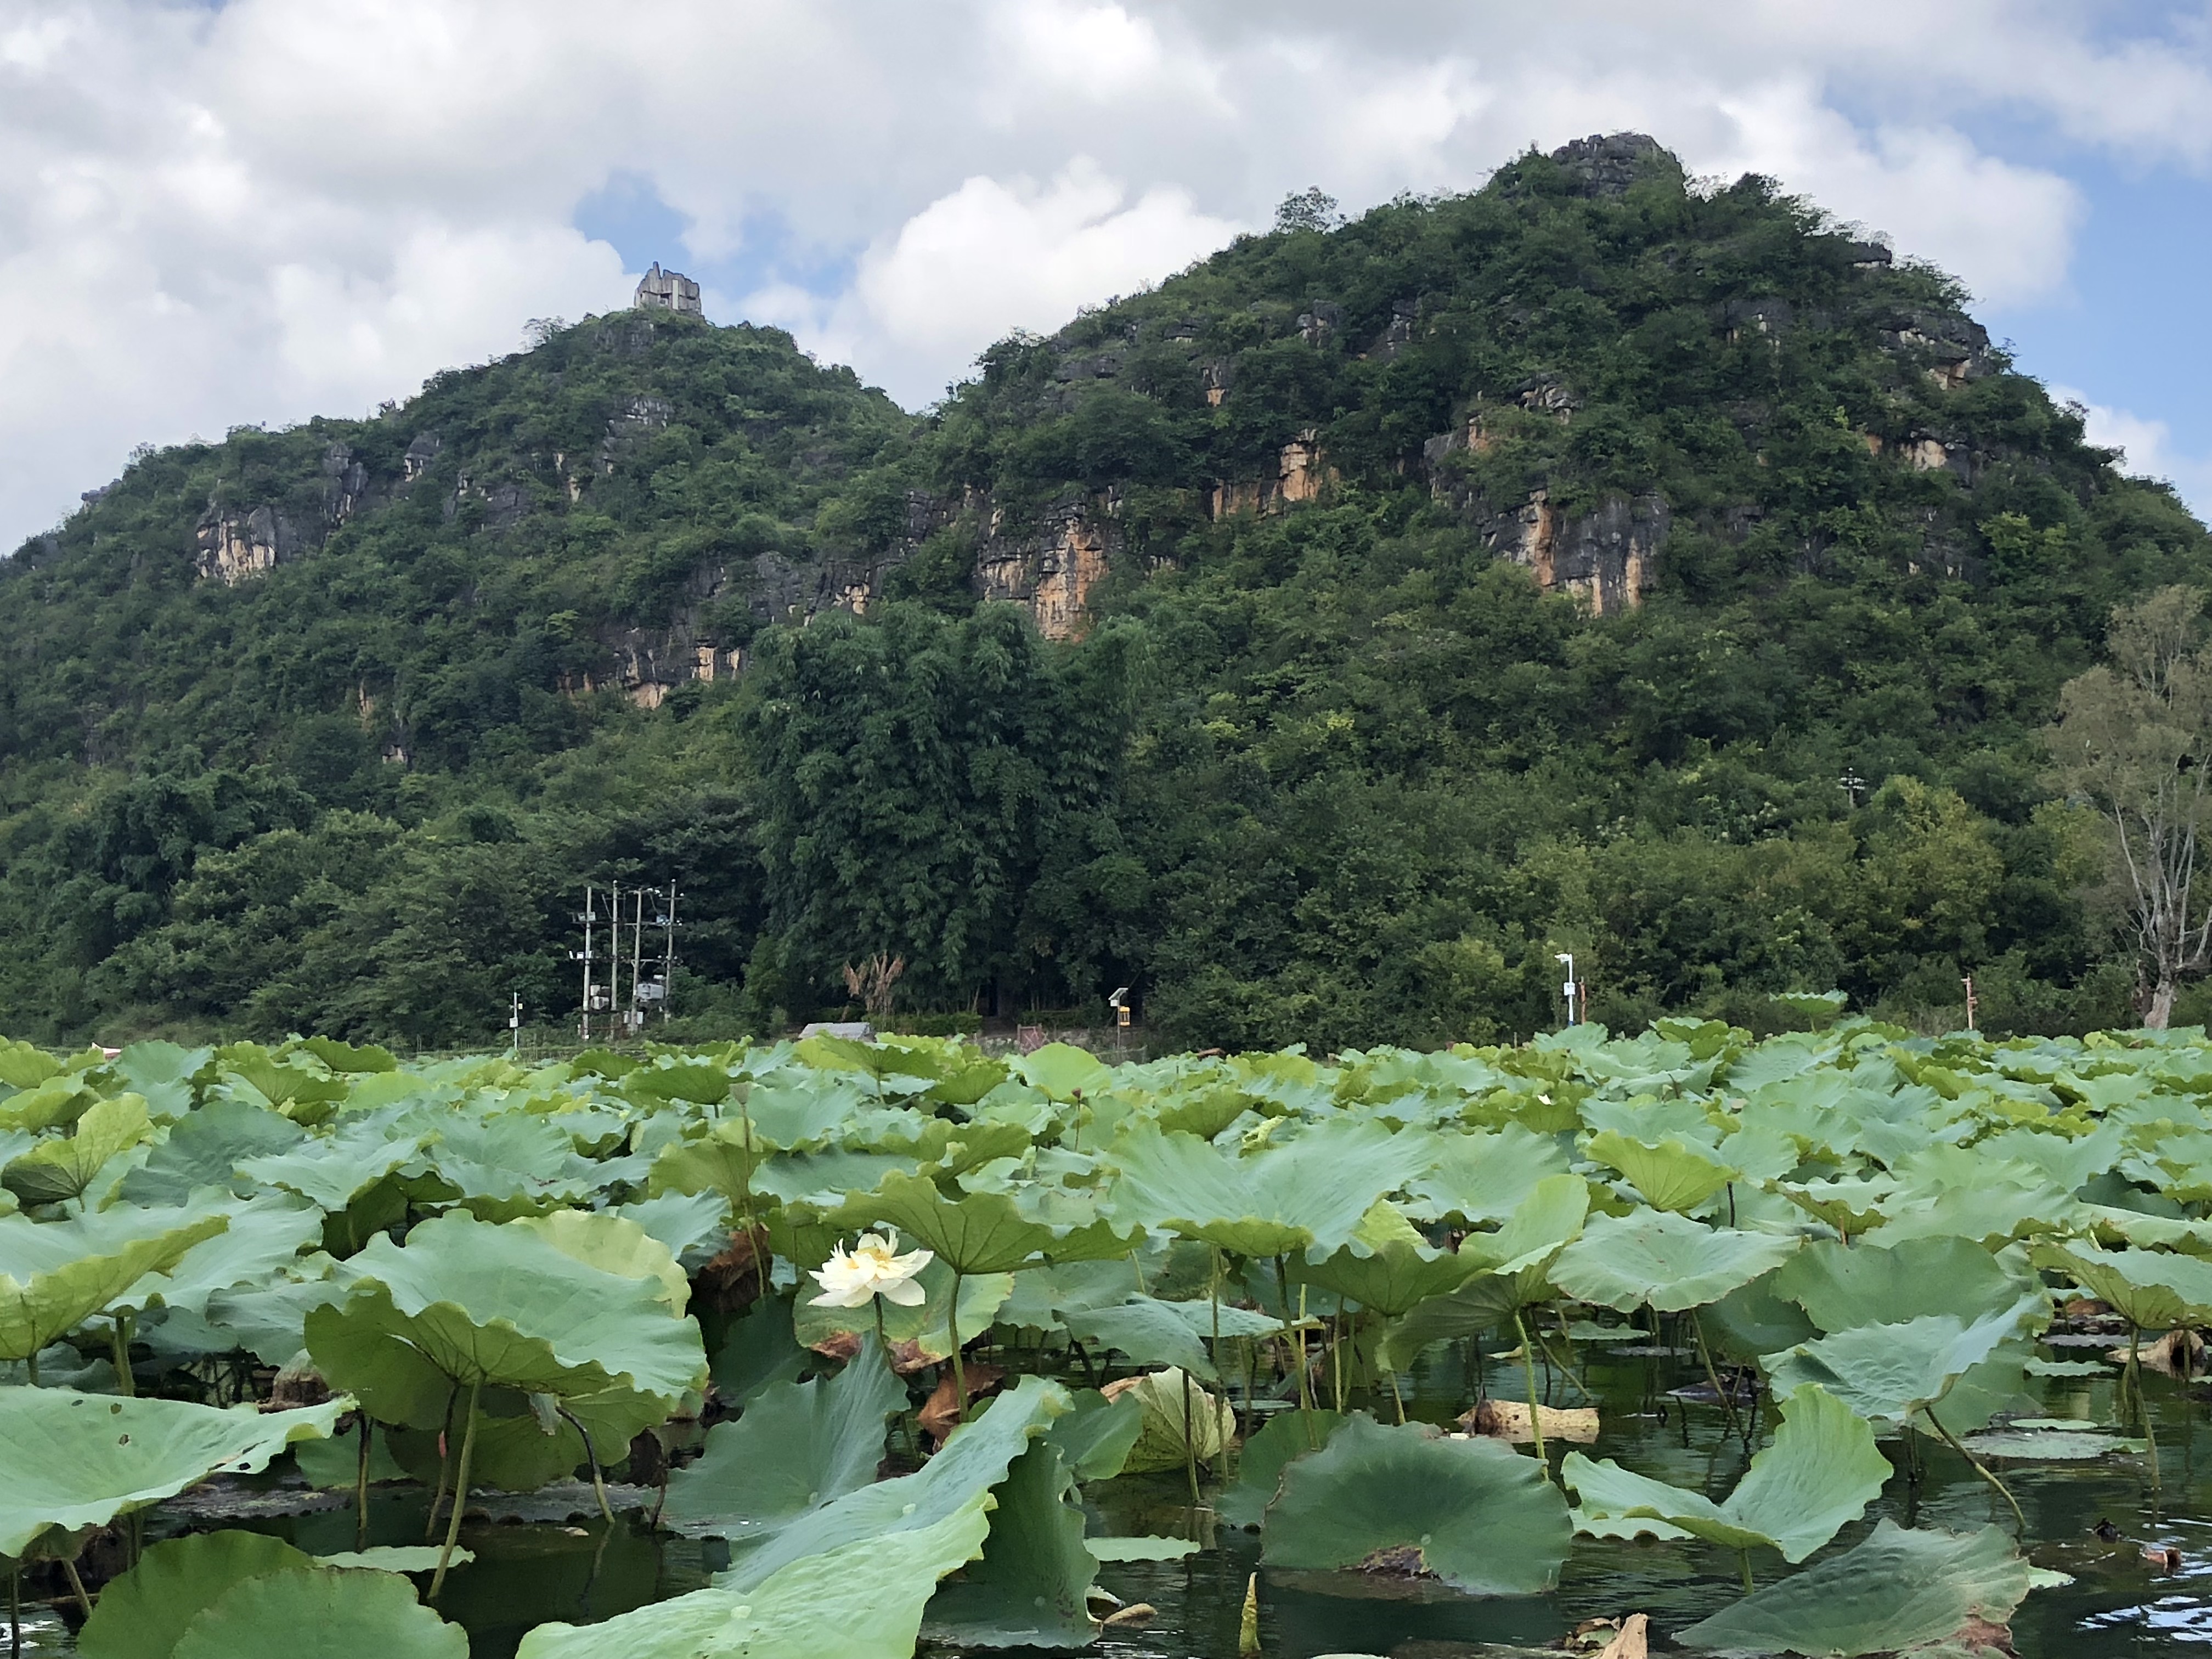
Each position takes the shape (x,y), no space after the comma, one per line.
(1334,770)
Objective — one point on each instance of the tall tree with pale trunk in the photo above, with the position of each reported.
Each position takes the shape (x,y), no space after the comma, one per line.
(2133,740)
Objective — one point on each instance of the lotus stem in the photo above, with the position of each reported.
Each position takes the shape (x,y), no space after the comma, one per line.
(14,1609)
(1290,1335)
(1743,1560)
(598,1481)
(31,1367)
(445,1463)
(1396,1398)
(76,1586)
(1727,1400)
(2142,1406)
(1189,1443)
(360,1488)
(119,1334)
(1535,1419)
(1558,1364)
(1980,1468)
(959,1374)
(460,1493)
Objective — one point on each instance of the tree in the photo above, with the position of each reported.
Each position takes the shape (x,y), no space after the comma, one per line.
(2134,739)
(1311,209)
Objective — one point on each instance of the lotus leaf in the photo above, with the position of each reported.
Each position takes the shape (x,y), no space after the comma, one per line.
(1140,1549)
(1483,1517)
(1898,1589)
(204,1149)
(1887,1372)
(757,1350)
(263,1237)
(859,1598)
(1879,1282)
(981,1233)
(1672,1175)
(1313,1191)
(498,1304)
(1182,1421)
(1389,1268)
(1152,1332)
(70,1460)
(927,1325)
(2150,1289)
(1063,1072)
(1662,1261)
(334,1168)
(614,1244)
(1095,1437)
(799,1445)
(1030,1587)
(74,1268)
(141,1614)
(971,1462)
(61,1168)
(1485,1177)
(1817,1477)
(1283,1437)
(326,1614)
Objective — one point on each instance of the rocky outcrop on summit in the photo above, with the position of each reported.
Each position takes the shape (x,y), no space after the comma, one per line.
(1606,164)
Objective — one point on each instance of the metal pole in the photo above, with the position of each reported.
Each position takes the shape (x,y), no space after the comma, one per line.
(668,955)
(636,951)
(587,964)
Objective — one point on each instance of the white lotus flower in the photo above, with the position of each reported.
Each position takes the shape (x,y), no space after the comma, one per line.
(872,1267)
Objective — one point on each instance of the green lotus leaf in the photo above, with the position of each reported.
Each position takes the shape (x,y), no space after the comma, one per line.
(1887,1372)
(141,1614)
(1284,1436)
(798,1446)
(1548,1219)
(1898,1589)
(670,1079)
(71,1460)
(1672,1176)
(61,1168)
(1817,1477)
(1662,1261)
(859,1598)
(204,1149)
(971,1462)
(265,1236)
(696,1227)
(1879,1282)
(614,1244)
(505,1165)
(395,1558)
(346,1058)
(251,1072)
(1388,1266)
(1152,1332)
(2151,1290)
(22,1066)
(980,1233)
(1063,1072)
(60,1273)
(1851,1204)
(272,1323)
(325,1613)
(1485,1177)
(486,1303)
(1030,1587)
(1753,1320)
(1991,1211)
(2046,1445)
(1483,1517)
(1141,1549)
(1096,1436)
(1313,1191)
(759,1349)
(334,1168)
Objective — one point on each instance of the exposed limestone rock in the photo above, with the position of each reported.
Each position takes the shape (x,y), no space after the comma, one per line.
(345,485)
(419,456)
(233,547)
(1317,323)
(1398,333)
(1954,349)
(1609,556)
(1545,395)
(1607,164)
(1302,473)
(1054,569)
(1216,378)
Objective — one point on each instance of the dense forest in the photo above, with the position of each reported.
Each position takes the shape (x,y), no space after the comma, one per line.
(1602,561)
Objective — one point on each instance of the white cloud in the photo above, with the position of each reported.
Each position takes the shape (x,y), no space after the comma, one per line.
(264,209)
(2148,450)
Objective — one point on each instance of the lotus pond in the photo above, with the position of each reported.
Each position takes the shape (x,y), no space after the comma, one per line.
(1837,1344)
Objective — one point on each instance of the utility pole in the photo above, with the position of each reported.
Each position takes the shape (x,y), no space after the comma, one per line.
(1569,989)
(636,1017)
(1970,1002)
(668,954)
(584,956)
(1851,783)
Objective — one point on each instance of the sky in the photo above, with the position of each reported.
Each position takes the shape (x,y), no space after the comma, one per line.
(218,214)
